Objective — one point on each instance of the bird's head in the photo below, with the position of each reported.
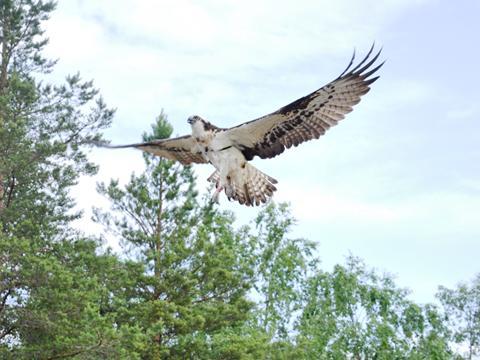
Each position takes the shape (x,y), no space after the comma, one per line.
(194,118)
(200,125)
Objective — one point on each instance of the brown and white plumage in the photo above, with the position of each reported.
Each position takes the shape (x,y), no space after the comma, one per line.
(178,149)
(229,150)
(308,117)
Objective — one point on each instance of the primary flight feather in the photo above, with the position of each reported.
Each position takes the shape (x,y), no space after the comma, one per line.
(229,150)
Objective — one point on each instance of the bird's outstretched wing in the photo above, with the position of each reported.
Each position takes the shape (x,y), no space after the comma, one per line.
(308,117)
(181,149)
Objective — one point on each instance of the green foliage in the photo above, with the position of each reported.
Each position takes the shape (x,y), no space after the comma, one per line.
(47,304)
(462,311)
(354,312)
(281,266)
(42,128)
(65,312)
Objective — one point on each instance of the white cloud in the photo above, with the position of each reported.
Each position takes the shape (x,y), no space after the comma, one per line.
(228,33)
(431,214)
(313,202)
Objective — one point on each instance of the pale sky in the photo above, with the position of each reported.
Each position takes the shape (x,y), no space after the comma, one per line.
(396,183)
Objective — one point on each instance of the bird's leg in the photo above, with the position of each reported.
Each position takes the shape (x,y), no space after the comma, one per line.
(216,194)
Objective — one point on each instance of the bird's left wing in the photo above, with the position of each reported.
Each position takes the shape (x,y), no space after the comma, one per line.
(182,149)
(308,117)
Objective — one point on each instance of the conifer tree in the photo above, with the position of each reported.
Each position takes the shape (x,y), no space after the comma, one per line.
(48,303)
(196,273)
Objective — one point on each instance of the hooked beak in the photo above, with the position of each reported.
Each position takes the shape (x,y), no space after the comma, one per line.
(190,121)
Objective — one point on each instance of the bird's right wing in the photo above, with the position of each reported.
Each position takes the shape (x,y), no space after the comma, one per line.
(182,149)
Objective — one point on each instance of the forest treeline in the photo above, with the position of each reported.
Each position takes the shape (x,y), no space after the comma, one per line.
(188,284)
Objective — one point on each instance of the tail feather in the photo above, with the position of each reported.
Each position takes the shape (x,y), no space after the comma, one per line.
(256,188)
(249,186)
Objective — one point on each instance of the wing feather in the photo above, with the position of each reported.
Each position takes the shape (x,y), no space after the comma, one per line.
(182,149)
(309,117)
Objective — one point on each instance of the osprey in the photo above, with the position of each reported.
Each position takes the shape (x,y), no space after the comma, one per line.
(229,150)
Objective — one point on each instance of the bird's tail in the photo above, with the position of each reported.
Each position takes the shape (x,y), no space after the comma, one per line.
(249,186)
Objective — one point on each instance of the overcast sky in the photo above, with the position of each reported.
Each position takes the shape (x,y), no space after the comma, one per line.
(396,183)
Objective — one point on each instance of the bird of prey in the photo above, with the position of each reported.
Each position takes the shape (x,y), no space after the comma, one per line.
(229,150)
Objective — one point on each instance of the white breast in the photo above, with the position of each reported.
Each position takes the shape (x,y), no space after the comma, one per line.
(226,160)
(217,148)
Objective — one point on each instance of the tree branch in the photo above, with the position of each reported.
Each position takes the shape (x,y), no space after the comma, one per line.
(76,352)
(4,299)
(10,191)
(7,331)
(135,218)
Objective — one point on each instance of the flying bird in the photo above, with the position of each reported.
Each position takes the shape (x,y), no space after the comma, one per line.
(229,150)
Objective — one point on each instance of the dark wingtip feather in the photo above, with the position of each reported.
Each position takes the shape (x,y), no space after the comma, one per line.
(349,64)
(363,65)
(372,80)
(363,61)
(367,74)
(366,66)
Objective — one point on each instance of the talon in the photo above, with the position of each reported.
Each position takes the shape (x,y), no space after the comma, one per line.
(216,194)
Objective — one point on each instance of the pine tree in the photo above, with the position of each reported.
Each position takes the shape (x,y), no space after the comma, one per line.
(192,291)
(49,299)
